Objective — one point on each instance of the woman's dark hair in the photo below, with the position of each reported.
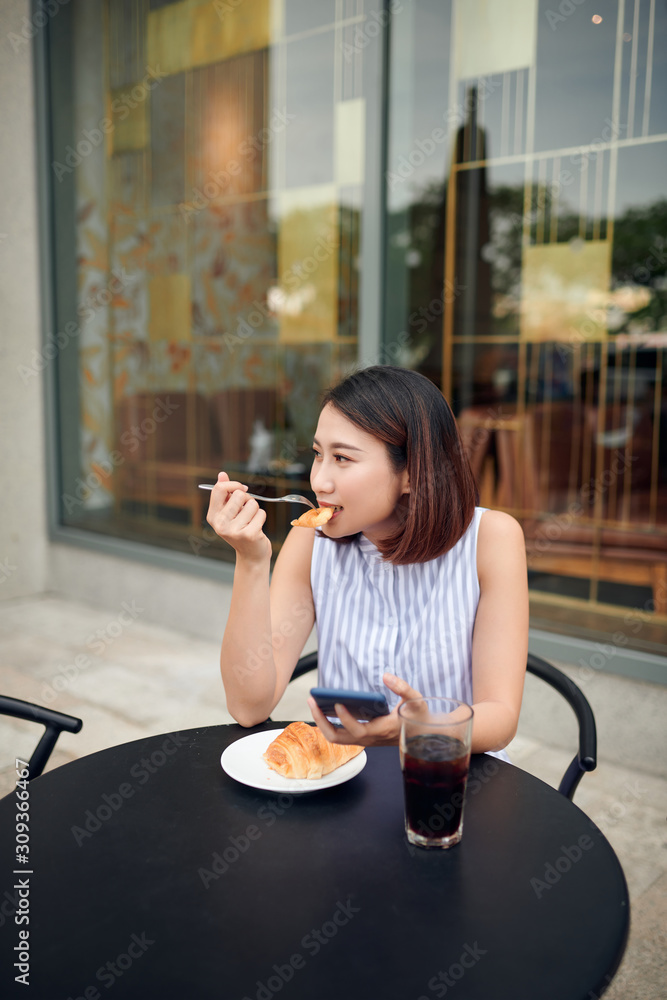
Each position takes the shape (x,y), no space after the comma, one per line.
(411,416)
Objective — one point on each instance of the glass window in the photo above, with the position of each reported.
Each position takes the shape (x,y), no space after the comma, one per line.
(208,176)
(526,273)
(250,198)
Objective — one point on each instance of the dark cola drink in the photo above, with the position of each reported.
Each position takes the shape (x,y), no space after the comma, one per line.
(435,772)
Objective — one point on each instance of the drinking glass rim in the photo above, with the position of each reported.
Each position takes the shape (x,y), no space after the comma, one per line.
(436,697)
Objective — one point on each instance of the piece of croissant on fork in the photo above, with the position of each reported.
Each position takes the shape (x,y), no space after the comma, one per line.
(301,751)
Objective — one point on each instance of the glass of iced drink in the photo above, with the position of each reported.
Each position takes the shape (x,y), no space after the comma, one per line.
(435,755)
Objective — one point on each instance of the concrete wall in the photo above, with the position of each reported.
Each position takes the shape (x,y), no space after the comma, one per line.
(167,597)
(23,529)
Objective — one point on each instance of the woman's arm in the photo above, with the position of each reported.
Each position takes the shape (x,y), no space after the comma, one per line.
(500,635)
(499,649)
(268,624)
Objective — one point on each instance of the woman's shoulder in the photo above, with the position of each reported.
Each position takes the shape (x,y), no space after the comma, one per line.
(500,541)
(496,524)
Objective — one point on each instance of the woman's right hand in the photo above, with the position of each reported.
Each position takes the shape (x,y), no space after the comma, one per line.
(238,519)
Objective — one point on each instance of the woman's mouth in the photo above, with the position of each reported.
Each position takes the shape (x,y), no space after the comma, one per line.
(335,507)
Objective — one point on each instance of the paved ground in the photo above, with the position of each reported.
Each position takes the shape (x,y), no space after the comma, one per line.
(127,679)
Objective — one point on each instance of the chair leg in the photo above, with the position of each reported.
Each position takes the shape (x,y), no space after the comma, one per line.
(42,752)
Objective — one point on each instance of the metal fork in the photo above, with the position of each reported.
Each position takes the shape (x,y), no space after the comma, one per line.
(290,498)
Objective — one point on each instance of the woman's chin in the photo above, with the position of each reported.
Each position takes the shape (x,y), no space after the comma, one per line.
(333,528)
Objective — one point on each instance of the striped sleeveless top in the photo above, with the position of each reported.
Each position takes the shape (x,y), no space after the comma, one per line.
(415,621)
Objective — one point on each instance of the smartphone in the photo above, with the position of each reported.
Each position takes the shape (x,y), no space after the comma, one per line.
(364,705)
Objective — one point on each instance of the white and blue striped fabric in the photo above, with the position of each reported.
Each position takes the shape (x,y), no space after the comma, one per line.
(415,621)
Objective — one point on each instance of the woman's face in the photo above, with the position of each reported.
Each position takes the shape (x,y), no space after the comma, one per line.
(352,471)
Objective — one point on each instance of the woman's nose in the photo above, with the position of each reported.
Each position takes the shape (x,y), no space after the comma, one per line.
(320,480)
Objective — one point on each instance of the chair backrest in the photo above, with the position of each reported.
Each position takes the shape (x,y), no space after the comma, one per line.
(586,756)
(55,723)
(233,414)
(163,426)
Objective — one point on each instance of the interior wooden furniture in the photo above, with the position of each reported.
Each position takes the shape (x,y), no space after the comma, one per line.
(584,486)
(165,452)
(161,448)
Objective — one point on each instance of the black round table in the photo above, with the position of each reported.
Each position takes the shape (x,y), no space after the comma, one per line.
(154,874)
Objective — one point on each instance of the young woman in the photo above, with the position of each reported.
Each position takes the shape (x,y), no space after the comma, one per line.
(414,589)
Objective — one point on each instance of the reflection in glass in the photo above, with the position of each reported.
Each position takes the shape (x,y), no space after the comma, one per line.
(218,240)
(543,247)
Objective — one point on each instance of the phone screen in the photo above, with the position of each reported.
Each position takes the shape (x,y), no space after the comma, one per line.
(363,705)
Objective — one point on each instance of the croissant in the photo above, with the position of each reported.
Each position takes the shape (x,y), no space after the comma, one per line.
(314,518)
(301,751)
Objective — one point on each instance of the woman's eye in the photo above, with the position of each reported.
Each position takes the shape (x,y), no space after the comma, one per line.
(337,458)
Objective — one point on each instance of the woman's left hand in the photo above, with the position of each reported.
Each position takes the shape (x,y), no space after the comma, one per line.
(381,732)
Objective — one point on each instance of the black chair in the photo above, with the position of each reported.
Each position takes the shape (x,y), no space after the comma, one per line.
(586,757)
(55,723)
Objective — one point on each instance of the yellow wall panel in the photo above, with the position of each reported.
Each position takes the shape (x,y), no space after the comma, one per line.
(130,122)
(168,37)
(225,29)
(248,27)
(308,270)
(565,290)
(207,39)
(170,307)
(187,34)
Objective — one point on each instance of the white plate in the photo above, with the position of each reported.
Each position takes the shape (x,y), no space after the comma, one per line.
(242,760)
